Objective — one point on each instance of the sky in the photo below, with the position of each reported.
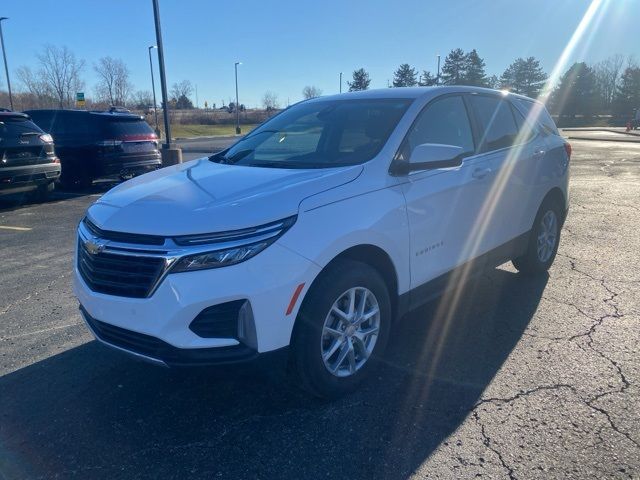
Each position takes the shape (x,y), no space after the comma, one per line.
(286,44)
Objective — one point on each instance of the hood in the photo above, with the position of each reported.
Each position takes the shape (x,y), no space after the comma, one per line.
(202,197)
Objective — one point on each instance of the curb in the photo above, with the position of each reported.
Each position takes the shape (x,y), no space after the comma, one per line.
(619,140)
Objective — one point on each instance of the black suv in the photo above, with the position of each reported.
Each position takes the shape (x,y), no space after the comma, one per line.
(98,144)
(27,157)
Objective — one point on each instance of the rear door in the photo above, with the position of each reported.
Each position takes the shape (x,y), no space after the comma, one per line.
(21,143)
(503,216)
(134,136)
(443,205)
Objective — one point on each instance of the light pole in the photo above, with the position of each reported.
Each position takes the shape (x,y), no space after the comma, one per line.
(340,82)
(237,104)
(6,68)
(438,75)
(170,154)
(153,88)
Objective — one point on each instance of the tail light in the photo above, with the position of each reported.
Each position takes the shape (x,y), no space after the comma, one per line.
(46,138)
(567,148)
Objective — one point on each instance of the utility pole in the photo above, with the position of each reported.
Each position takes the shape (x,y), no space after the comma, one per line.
(153,88)
(238,131)
(340,82)
(6,68)
(197,105)
(438,75)
(170,155)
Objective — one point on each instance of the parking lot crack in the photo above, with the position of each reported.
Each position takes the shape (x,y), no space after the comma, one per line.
(486,440)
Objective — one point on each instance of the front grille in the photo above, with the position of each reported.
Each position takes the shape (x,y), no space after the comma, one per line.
(121,275)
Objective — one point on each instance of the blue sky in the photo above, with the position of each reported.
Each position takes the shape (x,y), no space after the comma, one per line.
(287,44)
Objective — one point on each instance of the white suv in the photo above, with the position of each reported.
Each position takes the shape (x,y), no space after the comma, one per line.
(322,226)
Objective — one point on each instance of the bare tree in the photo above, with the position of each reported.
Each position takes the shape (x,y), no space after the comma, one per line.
(270,100)
(113,85)
(60,71)
(181,89)
(607,73)
(311,91)
(143,99)
(36,87)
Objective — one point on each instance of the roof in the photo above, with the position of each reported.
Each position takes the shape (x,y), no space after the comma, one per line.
(106,113)
(410,92)
(11,114)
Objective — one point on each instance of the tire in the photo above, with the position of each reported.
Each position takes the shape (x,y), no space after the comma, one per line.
(311,341)
(546,228)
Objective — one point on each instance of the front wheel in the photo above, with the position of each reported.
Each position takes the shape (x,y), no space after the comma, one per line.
(341,329)
(543,241)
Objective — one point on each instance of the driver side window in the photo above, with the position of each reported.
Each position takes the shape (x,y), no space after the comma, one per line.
(444,121)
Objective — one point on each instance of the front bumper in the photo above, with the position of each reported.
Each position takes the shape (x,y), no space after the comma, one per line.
(156,328)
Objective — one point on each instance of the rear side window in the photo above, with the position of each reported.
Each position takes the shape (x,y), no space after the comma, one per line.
(444,121)
(14,127)
(123,128)
(536,112)
(498,128)
(526,129)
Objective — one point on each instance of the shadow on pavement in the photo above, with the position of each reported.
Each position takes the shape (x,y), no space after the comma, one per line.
(92,413)
(16,201)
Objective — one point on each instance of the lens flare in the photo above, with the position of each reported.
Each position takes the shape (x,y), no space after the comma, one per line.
(449,303)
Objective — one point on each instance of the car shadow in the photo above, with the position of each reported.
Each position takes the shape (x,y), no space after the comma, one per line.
(90,412)
(16,201)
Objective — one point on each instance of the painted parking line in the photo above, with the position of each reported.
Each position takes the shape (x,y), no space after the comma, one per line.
(17,229)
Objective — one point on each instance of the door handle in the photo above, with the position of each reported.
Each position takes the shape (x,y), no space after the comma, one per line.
(538,154)
(480,173)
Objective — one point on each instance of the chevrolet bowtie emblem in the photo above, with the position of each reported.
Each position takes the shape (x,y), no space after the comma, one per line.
(94,246)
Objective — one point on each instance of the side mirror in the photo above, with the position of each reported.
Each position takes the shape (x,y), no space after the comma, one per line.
(429,156)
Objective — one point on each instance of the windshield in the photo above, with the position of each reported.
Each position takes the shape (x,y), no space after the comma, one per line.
(319,134)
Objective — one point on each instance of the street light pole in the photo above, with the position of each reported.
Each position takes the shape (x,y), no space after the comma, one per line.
(340,82)
(438,75)
(237,104)
(6,68)
(153,88)
(163,79)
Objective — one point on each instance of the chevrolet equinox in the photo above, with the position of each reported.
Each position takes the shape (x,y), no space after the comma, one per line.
(321,227)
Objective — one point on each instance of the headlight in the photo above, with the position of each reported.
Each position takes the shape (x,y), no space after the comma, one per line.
(228,248)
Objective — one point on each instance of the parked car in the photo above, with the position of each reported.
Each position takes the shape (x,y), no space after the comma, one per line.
(28,161)
(100,144)
(321,227)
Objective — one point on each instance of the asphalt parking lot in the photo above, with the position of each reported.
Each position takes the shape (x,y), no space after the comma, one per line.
(533,378)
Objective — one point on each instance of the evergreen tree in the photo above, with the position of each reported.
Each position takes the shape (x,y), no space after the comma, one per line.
(453,69)
(627,98)
(474,73)
(524,76)
(405,76)
(576,93)
(360,81)
(427,79)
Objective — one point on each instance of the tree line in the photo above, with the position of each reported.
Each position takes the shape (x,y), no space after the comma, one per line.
(611,86)
(58,76)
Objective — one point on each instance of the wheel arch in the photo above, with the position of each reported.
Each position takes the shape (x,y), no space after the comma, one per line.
(373,256)
(556,195)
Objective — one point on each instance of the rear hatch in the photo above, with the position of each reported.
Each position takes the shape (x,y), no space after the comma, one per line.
(126,135)
(22,142)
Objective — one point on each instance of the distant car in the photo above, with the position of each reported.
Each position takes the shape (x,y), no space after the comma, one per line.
(100,144)
(28,162)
